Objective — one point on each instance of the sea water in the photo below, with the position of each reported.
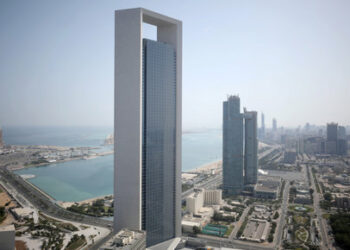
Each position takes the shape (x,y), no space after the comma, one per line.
(84,179)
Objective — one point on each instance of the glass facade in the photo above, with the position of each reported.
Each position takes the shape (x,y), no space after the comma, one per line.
(159,141)
(232,159)
(250,148)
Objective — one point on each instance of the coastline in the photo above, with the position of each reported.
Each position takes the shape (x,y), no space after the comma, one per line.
(207,168)
(15,168)
(66,204)
(203,169)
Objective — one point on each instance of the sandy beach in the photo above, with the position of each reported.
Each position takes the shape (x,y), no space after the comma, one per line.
(208,168)
(66,204)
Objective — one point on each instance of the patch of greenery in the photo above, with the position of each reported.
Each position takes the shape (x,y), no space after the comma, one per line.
(97,209)
(76,242)
(186,187)
(340,224)
(2,214)
(272,231)
(241,229)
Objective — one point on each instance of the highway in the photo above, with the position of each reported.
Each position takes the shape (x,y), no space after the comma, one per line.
(325,240)
(211,182)
(282,220)
(223,242)
(214,182)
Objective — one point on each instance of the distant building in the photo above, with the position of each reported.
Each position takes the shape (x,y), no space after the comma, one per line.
(7,237)
(342,144)
(342,147)
(262,129)
(126,239)
(250,148)
(232,146)
(314,145)
(195,201)
(332,131)
(342,200)
(303,199)
(267,187)
(202,197)
(213,197)
(342,132)
(289,157)
(331,147)
(1,141)
(274,124)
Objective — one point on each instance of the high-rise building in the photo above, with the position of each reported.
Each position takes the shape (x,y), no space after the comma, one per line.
(342,144)
(232,160)
(332,131)
(250,147)
(274,124)
(341,132)
(1,142)
(332,138)
(262,129)
(147,163)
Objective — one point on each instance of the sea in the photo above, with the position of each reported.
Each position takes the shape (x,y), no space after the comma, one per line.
(84,179)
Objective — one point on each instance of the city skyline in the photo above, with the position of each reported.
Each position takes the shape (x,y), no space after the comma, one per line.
(299,50)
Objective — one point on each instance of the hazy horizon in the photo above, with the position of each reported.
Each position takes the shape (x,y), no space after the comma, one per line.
(289,60)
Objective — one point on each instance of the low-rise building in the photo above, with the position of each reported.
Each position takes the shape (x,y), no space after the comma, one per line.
(290,157)
(126,239)
(256,230)
(195,201)
(267,187)
(342,200)
(213,197)
(188,225)
(202,197)
(303,199)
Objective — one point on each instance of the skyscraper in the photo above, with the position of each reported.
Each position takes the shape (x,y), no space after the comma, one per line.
(342,144)
(341,132)
(250,147)
(274,124)
(332,131)
(147,181)
(332,138)
(262,131)
(232,160)
(1,142)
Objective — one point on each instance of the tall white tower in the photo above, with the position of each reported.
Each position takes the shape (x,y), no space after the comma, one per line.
(147,127)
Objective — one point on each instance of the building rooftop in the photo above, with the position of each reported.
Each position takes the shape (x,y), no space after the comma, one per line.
(7,228)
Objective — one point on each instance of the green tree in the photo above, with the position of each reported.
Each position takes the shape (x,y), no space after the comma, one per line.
(327,196)
(196,230)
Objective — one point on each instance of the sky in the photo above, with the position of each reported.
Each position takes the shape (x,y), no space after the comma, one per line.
(288,59)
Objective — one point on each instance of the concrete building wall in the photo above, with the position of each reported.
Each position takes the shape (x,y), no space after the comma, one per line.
(213,197)
(195,202)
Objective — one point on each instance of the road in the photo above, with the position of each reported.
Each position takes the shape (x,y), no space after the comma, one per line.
(236,244)
(282,221)
(239,223)
(211,182)
(214,182)
(325,243)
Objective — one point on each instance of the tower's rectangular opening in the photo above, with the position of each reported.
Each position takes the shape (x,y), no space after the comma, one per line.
(149,31)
